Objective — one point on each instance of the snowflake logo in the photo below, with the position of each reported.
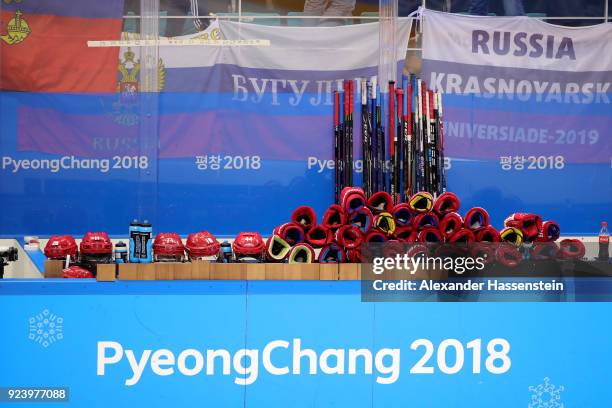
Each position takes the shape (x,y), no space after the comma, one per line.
(46,328)
(546,395)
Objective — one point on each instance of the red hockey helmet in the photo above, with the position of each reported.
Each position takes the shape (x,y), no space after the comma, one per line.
(76,272)
(96,243)
(168,247)
(248,245)
(202,245)
(60,246)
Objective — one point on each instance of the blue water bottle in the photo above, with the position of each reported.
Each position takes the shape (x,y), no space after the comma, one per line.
(146,242)
(134,233)
(225,252)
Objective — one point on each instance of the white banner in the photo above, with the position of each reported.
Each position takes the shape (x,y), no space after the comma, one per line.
(312,48)
(270,47)
(520,42)
(527,105)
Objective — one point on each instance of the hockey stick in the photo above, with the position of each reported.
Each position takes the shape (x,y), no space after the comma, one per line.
(348,168)
(382,166)
(433,148)
(374,137)
(392,140)
(365,164)
(407,133)
(434,109)
(350,134)
(399,144)
(370,132)
(364,136)
(384,108)
(418,147)
(345,129)
(426,129)
(336,145)
(440,127)
(341,141)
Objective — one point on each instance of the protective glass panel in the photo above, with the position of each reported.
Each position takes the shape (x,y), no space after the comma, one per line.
(130,116)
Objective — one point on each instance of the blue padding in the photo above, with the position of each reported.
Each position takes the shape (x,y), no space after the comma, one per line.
(590,289)
(62,286)
(92,287)
(304,287)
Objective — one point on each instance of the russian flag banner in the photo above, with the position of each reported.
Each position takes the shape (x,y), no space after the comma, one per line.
(203,89)
(43,45)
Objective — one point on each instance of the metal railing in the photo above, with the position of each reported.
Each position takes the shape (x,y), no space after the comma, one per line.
(239,16)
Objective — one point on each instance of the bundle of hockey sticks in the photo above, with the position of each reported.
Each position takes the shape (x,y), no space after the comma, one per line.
(403,138)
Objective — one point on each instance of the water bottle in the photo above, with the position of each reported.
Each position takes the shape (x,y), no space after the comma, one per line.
(225,252)
(134,234)
(604,242)
(526,250)
(121,252)
(146,239)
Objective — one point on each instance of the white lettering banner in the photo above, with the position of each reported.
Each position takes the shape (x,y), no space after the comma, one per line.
(520,42)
